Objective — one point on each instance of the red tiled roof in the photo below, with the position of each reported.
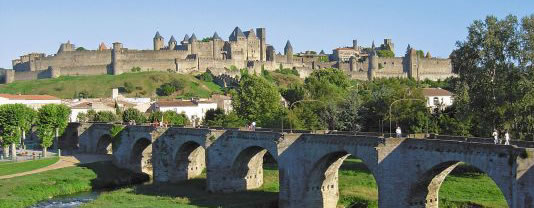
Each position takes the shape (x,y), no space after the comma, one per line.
(28,97)
(436,92)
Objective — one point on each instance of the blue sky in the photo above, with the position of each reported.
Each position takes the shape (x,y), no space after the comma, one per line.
(435,26)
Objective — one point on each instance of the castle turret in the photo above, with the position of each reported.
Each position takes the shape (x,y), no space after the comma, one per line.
(193,41)
(158,42)
(288,52)
(185,41)
(412,60)
(217,44)
(271,54)
(172,43)
(352,63)
(115,58)
(260,32)
(373,63)
(355,44)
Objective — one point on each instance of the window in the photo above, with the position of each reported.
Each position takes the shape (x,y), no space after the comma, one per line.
(436,101)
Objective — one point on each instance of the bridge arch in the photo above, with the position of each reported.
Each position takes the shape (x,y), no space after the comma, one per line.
(322,183)
(141,156)
(104,144)
(189,161)
(247,167)
(425,191)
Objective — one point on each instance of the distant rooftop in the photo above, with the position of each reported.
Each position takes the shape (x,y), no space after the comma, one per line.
(427,92)
(28,97)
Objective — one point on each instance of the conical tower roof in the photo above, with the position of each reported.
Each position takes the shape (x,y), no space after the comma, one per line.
(157,36)
(288,45)
(193,38)
(186,37)
(236,33)
(172,39)
(216,36)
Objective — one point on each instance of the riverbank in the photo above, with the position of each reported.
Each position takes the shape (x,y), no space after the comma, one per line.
(27,190)
(357,187)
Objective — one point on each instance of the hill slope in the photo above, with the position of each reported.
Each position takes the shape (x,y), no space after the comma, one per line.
(144,84)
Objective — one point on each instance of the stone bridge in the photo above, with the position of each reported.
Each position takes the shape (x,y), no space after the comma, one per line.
(408,171)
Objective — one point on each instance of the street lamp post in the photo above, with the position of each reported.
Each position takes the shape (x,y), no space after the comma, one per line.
(390,105)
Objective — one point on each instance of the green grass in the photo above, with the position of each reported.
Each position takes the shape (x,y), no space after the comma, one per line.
(357,187)
(19,167)
(26,190)
(145,84)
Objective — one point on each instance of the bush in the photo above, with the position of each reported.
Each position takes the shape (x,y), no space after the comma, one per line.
(105,116)
(385,53)
(132,114)
(177,84)
(206,76)
(136,69)
(128,87)
(170,117)
(165,90)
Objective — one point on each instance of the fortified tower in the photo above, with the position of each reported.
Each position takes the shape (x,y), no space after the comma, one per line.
(355,44)
(193,41)
(373,62)
(218,44)
(412,62)
(288,52)
(172,43)
(263,43)
(158,42)
(115,58)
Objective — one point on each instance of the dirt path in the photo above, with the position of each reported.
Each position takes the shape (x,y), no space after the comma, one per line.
(64,161)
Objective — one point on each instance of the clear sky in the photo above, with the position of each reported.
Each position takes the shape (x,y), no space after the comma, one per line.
(40,26)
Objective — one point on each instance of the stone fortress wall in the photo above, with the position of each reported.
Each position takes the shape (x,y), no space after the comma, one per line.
(242,50)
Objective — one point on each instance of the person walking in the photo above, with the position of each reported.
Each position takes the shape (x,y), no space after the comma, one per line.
(495,136)
(506,138)
(398,131)
(254,126)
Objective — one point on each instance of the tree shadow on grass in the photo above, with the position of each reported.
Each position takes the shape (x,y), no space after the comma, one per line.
(195,191)
(108,176)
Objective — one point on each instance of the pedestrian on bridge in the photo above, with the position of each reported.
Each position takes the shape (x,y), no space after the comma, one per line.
(495,136)
(398,131)
(506,138)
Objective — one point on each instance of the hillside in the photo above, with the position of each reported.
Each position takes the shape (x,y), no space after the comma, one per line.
(144,85)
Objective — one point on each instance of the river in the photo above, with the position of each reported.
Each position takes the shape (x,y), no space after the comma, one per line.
(68,201)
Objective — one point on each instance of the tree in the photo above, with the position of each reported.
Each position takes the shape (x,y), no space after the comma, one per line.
(132,114)
(177,84)
(81,49)
(206,76)
(256,99)
(105,116)
(128,87)
(420,53)
(211,115)
(52,118)
(385,53)
(15,121)
(293,93)
(170,117)
(495,65)
(349,116)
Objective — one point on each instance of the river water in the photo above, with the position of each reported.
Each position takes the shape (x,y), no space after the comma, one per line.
(68,201)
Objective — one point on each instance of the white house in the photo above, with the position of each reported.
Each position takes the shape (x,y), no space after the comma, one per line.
(32,101)
(192,109)
(437,97)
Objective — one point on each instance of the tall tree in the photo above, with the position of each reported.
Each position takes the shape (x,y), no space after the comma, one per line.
(15,120)
(257,100)
(52,120)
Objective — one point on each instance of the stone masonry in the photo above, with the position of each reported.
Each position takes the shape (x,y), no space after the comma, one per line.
(408,172)
(247,49)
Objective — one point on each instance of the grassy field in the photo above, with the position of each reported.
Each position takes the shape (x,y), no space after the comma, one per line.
(145,84)
(9,168)
(357,187)
(24,191)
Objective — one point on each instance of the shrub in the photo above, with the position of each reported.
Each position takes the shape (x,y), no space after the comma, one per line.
(165,90)
(128,87)
(206,76)
(385,53)
(135,69)
(177,84)
(132,114)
